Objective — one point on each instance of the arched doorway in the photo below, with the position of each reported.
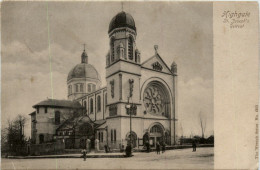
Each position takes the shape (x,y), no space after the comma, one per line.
(41,138)
(156,134)
(132,137)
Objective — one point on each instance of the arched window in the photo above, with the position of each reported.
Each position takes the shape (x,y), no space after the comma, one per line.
(130,48)
(89,87)
(105,99)
(76,88)
(91,105)
(69,89)
(94,87)
(81,87)
(85,105)
(57,117)
(98,103)
(112,47)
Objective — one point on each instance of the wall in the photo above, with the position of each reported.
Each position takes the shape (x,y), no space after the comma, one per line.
(46,121)
(47,148)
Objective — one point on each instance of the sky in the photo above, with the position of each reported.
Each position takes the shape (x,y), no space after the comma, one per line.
(41,40)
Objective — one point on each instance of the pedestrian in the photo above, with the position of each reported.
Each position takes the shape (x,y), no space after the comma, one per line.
(84,152)
(128,150)
(147,146)
(163,147)
(194,146)
(158,149)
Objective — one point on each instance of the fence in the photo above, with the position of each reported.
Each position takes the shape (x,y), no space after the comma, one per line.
(46,148)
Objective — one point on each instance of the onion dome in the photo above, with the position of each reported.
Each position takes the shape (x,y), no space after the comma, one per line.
(122,19)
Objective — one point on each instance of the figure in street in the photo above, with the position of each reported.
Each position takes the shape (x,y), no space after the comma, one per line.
(147,146)
(158,149)
(163,147)
(194,146)
(84,153)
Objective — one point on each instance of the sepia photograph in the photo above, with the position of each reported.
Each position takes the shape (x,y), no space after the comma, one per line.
(107,85)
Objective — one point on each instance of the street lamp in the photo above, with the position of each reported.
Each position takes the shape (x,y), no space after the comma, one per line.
(128,107)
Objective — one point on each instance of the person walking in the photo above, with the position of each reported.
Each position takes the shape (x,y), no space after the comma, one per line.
(158,149)
(147,146)
(163,147)
(194,146)
(84,152)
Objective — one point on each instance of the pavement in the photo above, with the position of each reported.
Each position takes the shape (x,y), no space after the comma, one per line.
(203,158)
(96,154)
(77,155)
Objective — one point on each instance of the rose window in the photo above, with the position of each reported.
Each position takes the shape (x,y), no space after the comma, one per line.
(154,100)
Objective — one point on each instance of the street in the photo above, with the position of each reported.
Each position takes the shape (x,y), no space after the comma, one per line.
(172,159)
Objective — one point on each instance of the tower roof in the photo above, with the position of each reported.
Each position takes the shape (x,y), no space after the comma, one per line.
(122,19)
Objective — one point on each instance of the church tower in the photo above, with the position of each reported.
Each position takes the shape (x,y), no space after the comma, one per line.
(123,71)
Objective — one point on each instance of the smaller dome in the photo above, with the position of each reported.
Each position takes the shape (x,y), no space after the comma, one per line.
(83,70)
(122,19)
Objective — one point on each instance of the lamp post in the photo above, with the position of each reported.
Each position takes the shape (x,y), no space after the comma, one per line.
(128,107)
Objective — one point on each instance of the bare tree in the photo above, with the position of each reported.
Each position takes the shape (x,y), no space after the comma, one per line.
(203,124)
(13,134)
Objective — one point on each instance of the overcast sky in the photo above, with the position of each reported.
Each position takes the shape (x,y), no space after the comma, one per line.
(182,30)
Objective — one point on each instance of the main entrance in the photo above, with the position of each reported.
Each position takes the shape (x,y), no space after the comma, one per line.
(156,135)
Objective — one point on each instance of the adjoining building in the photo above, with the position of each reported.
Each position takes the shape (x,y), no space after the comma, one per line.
(138,103)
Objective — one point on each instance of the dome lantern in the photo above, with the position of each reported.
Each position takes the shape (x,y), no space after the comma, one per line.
(84,56)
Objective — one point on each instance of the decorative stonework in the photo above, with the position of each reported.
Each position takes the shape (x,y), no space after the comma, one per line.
(113,110)
(131,87)
(157,66)
(154,100)
(132,110)
(112,82)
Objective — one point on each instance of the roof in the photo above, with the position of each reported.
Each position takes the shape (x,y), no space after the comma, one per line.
(59,103)
(122,19)
(78,121)
(69,123)
(33,113)
(160,58)
(83,70)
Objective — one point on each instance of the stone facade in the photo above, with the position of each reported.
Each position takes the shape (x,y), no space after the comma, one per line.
(139,102)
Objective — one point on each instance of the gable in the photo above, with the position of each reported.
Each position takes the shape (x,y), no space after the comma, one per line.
(156,63)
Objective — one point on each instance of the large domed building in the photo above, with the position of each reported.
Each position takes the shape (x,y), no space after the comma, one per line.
(138,105)
(82,79)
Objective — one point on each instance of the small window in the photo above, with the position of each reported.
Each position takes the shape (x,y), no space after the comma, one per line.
(93,87)
(41,138)
(114,134)
(57,117)
(46,110)
(81,87)
(130,48)
(112,46)
(98,103)
(105,99)
(85,104)
(89,87)
(76,88)
(91,105)
(101,136)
